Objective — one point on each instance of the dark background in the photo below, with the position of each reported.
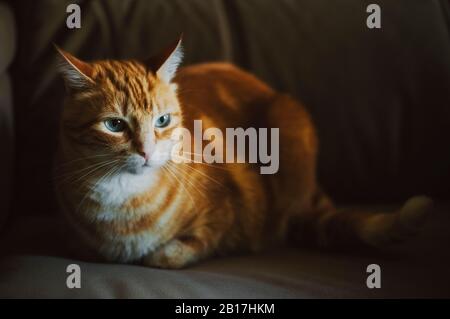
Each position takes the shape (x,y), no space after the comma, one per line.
(380,98)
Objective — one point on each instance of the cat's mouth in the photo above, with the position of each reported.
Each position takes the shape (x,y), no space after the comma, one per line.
(138,170)
(138,165)
(142,168)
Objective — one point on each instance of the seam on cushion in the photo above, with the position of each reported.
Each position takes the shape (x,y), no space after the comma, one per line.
(224,28)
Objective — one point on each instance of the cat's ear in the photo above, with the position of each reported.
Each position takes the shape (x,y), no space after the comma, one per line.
(76,73)
(165,64)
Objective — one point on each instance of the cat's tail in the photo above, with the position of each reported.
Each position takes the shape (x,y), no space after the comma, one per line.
(332,228)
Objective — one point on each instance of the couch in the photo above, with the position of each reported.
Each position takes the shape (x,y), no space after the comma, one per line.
(379,97)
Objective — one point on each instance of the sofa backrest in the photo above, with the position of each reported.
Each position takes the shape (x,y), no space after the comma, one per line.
(379,97)
(7,49)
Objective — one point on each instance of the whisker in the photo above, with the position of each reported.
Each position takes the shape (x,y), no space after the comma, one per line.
(62,178)
(109,173)
(181,184)
(93,164)
(82,159)
(216,165)
(96,169)
(205,175)
(191,182)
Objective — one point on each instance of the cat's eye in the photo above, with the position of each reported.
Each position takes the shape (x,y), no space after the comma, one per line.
(115,125)
(163,121)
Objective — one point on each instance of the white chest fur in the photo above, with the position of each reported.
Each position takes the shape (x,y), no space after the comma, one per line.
(115,191)
(110,196)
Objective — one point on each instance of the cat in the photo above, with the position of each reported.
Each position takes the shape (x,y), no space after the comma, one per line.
(121,190)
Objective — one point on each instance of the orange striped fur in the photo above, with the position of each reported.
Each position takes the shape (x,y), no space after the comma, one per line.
(172,215)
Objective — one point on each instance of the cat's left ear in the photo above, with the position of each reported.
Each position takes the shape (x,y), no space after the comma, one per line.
(165,64)
(77,74)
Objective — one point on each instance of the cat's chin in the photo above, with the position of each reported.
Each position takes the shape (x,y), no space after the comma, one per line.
(143,170)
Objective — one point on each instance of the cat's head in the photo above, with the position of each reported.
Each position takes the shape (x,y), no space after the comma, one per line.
(123,111)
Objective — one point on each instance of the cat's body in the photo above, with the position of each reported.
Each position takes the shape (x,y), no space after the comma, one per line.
(171,215)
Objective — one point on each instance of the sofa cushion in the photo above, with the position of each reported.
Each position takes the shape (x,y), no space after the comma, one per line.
(416,269)
(379,97)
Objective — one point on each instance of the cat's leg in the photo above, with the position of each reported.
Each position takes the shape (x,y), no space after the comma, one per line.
(198,240)
(384,228)
(178,253)
(313,217)
(331,228)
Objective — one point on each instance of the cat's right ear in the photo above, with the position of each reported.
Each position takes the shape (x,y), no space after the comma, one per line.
(76,73)
(165,64)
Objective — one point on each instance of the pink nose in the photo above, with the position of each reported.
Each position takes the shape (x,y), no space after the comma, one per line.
(144,155)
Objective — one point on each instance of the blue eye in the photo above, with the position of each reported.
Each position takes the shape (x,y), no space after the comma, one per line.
(115,125)
(163,121)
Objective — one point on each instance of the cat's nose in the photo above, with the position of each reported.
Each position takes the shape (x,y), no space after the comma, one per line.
(145,155)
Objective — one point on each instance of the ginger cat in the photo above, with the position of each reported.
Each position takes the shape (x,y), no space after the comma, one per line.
(124,195)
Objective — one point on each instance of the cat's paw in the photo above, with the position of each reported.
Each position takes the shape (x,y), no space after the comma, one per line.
(173,255)
(385,229)
(414,213)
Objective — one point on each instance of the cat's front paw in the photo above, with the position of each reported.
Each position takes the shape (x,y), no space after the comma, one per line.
(173,255)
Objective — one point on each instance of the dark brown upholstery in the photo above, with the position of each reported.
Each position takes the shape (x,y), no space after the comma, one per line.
(380,100)
(379,97)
